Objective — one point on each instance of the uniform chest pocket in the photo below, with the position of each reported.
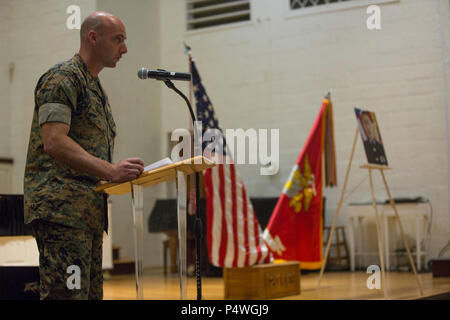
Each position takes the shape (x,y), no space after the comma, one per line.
(95,112)
(93,129)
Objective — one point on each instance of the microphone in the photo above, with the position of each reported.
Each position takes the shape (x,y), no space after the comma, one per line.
(160,74)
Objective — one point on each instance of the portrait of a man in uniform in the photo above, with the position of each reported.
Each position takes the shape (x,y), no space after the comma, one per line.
(370,134)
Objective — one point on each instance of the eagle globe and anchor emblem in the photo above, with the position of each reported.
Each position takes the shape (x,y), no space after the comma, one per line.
(301,188)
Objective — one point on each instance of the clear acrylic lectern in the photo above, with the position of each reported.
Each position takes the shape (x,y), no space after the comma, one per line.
(179,171)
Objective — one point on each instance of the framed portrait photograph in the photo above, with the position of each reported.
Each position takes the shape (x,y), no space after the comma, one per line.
(371,137)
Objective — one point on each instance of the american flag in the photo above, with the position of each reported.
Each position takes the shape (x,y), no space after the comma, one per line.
(234,236)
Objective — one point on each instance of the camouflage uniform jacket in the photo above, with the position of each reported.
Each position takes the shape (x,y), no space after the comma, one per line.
(52,191)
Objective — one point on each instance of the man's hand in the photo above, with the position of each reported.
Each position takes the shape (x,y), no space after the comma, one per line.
(127,170)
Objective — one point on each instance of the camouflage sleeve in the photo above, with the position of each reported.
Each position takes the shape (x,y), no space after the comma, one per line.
(54,112)
(56,99)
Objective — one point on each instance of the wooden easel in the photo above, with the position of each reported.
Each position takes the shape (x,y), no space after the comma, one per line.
(381,168)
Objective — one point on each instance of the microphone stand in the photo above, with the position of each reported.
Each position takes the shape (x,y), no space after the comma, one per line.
(198,221)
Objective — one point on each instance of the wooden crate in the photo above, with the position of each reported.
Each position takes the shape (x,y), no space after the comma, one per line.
(264,281)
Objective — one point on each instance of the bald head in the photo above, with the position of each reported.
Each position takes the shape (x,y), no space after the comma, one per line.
(102,37)
(99,22)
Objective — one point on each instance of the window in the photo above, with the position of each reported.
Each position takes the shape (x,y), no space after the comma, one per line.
(208,13)
(300,4)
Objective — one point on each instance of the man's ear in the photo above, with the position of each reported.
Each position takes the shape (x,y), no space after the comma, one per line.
(92,37)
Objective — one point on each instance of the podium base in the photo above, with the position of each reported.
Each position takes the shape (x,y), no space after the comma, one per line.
(263,281)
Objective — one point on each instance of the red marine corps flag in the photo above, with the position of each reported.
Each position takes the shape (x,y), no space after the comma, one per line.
(294,232)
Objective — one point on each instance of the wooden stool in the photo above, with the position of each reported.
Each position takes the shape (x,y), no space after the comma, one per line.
(341,260)
(170,247)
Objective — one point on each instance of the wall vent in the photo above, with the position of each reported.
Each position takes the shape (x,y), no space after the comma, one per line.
(209,13)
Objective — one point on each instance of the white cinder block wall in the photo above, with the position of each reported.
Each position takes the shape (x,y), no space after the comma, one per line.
(274,71)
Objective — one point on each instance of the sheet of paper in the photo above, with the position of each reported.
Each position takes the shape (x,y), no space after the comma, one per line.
(158,164)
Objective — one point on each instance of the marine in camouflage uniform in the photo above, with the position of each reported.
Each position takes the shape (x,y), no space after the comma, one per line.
(68,217)
(70,150)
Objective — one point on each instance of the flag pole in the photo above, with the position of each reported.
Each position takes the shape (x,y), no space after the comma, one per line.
(338,208)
